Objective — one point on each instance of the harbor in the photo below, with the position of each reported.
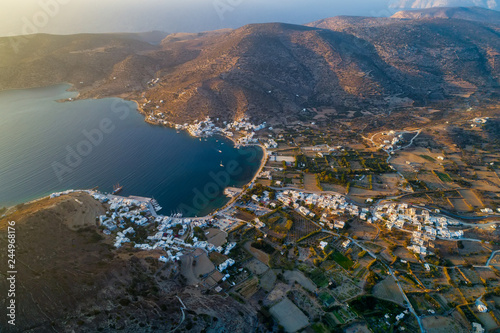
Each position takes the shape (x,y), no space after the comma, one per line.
(166,165)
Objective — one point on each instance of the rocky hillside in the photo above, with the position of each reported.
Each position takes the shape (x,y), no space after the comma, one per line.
(71,279)
(407,4)
(276,70)
(432,59)
(461,13)
(272,71)
(87,61)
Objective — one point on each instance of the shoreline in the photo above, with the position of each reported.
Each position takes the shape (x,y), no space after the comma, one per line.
(263,163)
(236,145)
(68,87)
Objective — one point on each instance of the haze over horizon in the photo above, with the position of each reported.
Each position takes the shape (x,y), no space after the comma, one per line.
(93,16)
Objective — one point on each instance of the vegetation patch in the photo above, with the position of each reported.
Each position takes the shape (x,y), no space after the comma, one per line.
(318,277)
(428,158)
(342,260)
(263,246)
(443,176)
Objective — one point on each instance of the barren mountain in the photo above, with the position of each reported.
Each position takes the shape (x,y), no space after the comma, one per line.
(432,58)
(407,4)
(272,71)
(462,13)
(275,70)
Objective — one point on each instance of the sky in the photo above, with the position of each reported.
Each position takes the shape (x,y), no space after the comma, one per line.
(76,16)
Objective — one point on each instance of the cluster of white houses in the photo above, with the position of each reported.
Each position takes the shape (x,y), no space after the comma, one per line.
(390,145)
(335,204)
(271,144)
(425,226)
(229,262)
(169,230)
(428,226)
(124,213)
(207,127)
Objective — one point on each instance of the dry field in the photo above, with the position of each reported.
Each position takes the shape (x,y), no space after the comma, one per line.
(386,184)
(248,288)
(217,258)
(388,289)
(300,278)
(433,182)
(256,266)
(487,320)
(279,291)
(301,227)
(363,230)
(404,254)
(305,302)
(193,269)
(267,280)
(472,198)
(333,188)
(260,255)
(216,237)
(495,260)
(440,324)
(264,182)
(487,275)
(358,328)
(460,205)
(289,316)
(310,183)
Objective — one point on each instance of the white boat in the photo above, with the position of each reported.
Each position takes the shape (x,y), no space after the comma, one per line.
(156,206)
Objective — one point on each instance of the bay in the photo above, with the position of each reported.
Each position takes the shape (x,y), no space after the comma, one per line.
(48,146)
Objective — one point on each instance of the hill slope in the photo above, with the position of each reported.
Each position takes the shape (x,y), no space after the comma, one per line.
(276,70)
(272,71)
(407,4)
(432,58)
(462,13)
(71,279)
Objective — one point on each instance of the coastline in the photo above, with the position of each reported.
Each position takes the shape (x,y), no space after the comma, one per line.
(12,209)
(236,144)
(263,163)
(70,88)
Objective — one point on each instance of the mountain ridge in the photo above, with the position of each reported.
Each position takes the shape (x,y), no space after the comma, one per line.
(462,13)
(272,71)
(423,4)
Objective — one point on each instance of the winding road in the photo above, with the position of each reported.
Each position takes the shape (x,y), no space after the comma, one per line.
(409,305)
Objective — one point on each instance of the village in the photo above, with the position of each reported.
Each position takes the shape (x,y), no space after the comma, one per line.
(179,238)
(241,131)
(327,227)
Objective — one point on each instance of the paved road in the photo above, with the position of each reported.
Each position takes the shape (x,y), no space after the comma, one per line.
(491,257)
(236,197)
(183,307)
(412,310)
(410,307)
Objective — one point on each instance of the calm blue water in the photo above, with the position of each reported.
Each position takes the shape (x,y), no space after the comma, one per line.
(46,146)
